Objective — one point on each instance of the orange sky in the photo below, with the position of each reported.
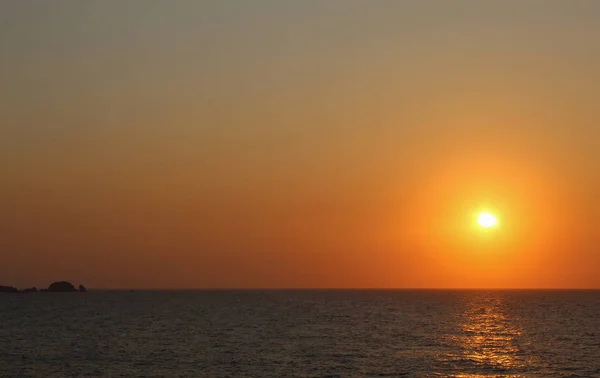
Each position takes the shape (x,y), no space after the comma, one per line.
(300,144)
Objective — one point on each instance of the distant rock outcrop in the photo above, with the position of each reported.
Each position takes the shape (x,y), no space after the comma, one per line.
(61,287)
(55,287)
(8,289)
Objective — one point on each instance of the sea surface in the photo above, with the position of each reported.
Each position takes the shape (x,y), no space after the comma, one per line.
(301,333)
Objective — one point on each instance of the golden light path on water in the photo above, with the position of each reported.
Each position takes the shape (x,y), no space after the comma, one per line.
(486,339)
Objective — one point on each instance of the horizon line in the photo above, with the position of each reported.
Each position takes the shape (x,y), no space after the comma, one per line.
(349,288)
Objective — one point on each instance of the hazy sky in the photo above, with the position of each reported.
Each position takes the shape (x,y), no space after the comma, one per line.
(333,143)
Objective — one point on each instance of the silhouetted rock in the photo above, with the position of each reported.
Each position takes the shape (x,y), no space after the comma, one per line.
(61,287)
(56,287)
(8,289)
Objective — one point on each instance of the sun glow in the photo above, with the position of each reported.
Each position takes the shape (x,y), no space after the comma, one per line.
(486,220)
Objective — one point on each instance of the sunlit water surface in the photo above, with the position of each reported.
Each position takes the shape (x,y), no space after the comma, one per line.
(301,334)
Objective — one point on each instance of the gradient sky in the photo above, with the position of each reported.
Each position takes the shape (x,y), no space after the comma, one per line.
(339,143)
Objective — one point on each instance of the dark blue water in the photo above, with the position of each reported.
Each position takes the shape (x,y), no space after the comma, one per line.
(301,334)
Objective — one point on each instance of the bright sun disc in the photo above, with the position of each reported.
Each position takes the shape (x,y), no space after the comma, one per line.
(486,220)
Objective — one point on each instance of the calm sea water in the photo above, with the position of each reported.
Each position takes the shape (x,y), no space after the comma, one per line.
(301,334)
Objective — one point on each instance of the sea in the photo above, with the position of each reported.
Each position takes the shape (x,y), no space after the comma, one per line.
(301,333)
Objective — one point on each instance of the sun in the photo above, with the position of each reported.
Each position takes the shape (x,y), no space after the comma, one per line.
(487,220)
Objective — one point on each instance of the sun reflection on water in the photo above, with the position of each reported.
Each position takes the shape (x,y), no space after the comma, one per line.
(486,341)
